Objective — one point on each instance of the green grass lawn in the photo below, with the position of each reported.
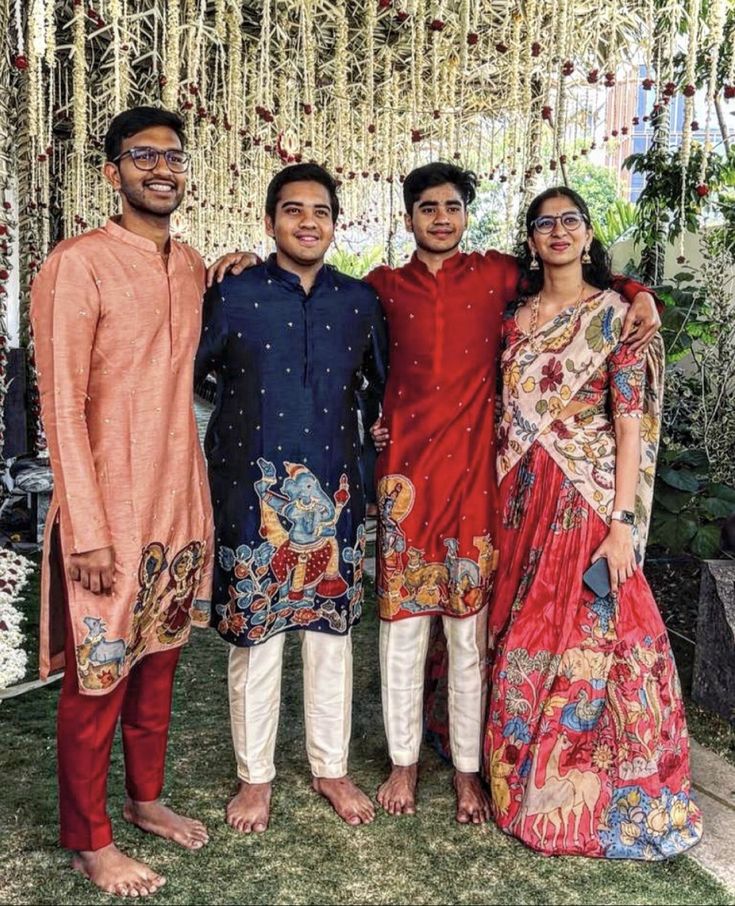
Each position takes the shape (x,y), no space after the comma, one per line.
(308,855)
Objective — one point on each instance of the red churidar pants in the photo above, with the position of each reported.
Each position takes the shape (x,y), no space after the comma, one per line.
(85,731)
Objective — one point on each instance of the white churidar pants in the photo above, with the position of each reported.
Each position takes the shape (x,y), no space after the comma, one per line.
(254,683)
(403,649)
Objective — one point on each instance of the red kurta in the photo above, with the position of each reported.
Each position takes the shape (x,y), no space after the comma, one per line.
(436,479)
(437,492)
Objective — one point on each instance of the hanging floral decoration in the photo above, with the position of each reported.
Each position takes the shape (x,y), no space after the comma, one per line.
(14,572)
(370,88)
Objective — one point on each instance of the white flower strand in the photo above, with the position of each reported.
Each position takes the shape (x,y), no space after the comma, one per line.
(14,572)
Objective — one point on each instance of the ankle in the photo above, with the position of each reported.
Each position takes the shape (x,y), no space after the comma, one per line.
(140,805)
(405,768)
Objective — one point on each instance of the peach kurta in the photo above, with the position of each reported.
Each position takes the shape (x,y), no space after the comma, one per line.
(116,330)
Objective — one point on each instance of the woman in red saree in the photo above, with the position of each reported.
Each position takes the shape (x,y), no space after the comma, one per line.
(586,747)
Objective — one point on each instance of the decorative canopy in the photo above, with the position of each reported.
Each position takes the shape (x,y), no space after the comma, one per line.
(368,87)
(371,88)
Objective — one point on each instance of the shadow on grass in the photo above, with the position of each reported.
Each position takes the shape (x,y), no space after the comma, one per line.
(308,855)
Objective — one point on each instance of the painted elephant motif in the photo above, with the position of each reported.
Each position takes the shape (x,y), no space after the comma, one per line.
(300,519)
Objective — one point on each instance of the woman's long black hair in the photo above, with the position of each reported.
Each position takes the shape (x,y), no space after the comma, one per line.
(597,273)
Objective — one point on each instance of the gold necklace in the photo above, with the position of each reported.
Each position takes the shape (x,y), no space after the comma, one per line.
(533,340)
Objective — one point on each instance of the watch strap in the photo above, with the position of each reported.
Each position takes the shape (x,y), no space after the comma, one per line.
(625,516)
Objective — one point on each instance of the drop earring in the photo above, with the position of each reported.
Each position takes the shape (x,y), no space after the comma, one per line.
(534,265)
(586,256)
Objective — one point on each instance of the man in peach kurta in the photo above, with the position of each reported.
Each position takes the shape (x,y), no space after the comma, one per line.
(127,560)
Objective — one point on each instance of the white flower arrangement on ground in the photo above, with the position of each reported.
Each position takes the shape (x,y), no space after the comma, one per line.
(14,572)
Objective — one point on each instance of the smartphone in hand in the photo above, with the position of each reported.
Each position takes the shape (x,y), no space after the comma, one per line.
(597,576)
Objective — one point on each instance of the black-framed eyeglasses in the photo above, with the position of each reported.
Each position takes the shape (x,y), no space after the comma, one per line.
(147,158)
(570,220)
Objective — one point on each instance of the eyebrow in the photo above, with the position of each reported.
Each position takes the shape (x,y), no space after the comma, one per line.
(562,213)
(152,148)
(302,204)
(428,202)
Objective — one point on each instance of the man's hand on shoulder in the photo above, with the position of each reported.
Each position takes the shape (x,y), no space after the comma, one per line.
(642,322)
(232,263)
(95,570)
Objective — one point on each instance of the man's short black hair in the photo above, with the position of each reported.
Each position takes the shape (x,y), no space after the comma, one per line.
(301,173)
(438,173)
(135,120)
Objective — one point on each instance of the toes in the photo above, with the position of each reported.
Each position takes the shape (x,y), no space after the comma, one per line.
(151,881)
(260,827)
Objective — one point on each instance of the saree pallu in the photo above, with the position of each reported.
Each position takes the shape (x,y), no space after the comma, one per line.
(586,747)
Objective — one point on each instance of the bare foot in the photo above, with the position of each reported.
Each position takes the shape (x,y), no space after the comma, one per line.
(473,803)
(350,803)
(116,873)
(397,794)
(156,818)
(250,808)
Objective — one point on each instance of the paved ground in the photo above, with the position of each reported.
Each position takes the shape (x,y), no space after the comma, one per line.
(714,781)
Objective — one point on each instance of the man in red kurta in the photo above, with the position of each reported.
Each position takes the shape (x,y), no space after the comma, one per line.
(127,561)
(436,551)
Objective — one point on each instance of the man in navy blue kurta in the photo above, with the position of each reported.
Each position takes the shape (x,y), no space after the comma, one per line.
(290,342)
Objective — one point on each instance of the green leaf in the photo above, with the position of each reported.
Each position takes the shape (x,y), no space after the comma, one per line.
(723,491)
(696,457)
(682,479)
(683,277)
(706,542)
(680,533)
(670,499)
(716,508)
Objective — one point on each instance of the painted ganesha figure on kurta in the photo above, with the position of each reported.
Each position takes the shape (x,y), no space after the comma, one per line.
(306,562)
(293,577)
(407,581)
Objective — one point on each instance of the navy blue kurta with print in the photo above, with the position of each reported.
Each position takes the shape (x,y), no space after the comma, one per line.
(283,448)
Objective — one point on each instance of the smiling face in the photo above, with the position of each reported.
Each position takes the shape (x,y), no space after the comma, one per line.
(158,191)
(303,226)
(438,219)
(564,244)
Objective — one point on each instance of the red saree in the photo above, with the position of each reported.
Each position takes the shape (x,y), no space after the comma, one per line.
(586,747)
